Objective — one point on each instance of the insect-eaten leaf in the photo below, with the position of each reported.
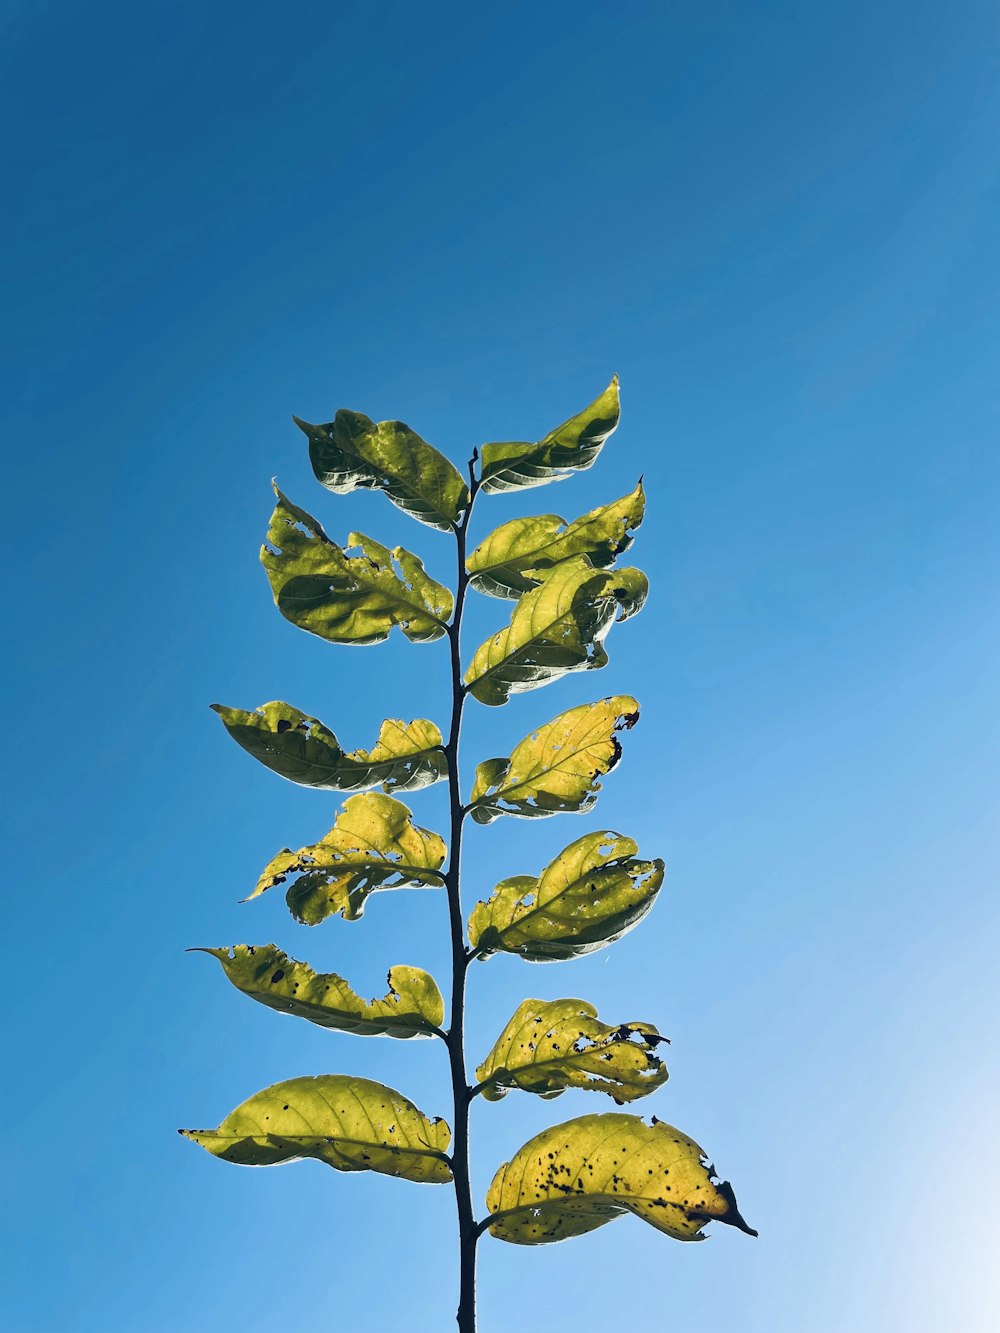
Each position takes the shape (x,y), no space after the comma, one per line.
(518,555)
(594,891)
(349,596)
(352,452)
(551,1045)
(555,769)
(406,756)
(351,1124)
(414,1006)
(574,1177)
(557,628)
(571,447)
(373,844)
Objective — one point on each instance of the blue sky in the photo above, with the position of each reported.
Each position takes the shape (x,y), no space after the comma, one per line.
(778,224)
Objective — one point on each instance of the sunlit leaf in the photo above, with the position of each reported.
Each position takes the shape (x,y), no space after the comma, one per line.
(570,447)
(406,756)
(573,1178)
(373,845)
(518,555)
(555,769)
(551,1045)
(630,588)
(351,1124)
(413,1007)
(352,452)
(557,628)
(594,891)
(349,596)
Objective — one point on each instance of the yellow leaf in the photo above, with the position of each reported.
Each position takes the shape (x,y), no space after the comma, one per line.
(351,1124)
(575,1177)
(373,845)
(551,1045)
(572,446)
(555,769)
(348,596)
(594,891)
(559,627)
(405,757)
(413,1007)
(353,452)
(518,555)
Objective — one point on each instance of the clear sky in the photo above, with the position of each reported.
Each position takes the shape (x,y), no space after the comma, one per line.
(778,223)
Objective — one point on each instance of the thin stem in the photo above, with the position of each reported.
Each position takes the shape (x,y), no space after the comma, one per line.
(467,1232)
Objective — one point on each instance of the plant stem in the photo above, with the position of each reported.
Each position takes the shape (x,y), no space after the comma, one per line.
(467,1233)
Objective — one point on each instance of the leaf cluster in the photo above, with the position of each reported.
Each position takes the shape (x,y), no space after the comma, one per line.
(568,591)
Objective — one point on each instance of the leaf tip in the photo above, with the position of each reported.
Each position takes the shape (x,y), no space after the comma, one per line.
(733,1217)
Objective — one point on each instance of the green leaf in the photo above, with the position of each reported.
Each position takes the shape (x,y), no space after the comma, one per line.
(373,845)
(573,1178)
(555,769)
(349,597)
(352,452)
(518,555)
(413,1007)
(351,1124)
(406,756)
(572,446)
(557,628)
(551,1045)
(594,891)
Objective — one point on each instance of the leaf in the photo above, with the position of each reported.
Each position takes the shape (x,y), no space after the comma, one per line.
(594,891)
(572,446)
(557,628)
(351,1124)
(518,555)
(406,756)
(573,1178)
(551,1045)
(413,1007)
(345,597)
(555,769)
(352,452)
(373,845)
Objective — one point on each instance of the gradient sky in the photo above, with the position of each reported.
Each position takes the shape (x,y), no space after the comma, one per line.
(778,223)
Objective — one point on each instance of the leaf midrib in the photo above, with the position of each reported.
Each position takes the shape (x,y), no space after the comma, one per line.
(420,605)
(269,737)
(538,907)
(594,1048)
(563,1203)
(322,1138)
(522,563)
(348,867)
(402,1019)
(503,793)
(370,585)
